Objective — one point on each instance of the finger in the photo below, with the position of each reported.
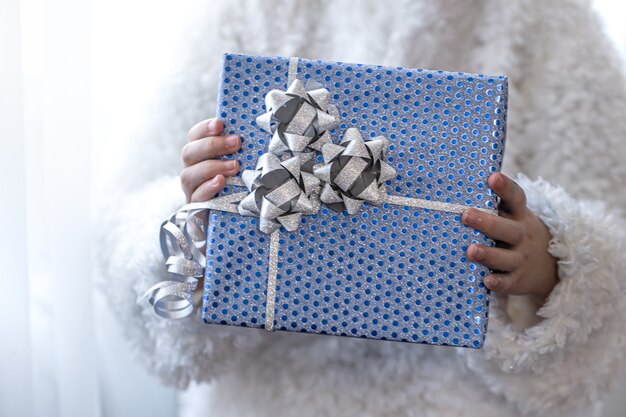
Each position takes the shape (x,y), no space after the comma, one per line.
(496,227)
(501,283)
(191,177)
(495,258)
(208,127)
(208,189)
(209,148)
(513,198)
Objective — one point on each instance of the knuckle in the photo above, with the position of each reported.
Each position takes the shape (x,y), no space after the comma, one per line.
(186,154)
(522,195)
(521,232)
(512,280)
(199,195)
(502,285)
(191,133)
(208,148)
(496,255)
(217,145)
(490,222)
(505,185)
(195,197)
(518,193)
(185,179)
(208,168)
(525,258)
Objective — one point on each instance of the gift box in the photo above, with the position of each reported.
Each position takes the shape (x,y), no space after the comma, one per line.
(345,216)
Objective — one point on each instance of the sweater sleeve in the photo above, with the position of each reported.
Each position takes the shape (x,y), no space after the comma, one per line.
(130,262)
(573,352)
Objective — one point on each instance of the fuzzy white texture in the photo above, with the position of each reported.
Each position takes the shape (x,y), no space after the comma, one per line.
(571,356)
(567,100)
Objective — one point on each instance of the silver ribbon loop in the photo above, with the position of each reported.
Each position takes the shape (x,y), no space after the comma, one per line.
(300,118)
(354,172)
(183,238)
(172,299)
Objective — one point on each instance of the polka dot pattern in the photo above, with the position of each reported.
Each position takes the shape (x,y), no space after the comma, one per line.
(389,272)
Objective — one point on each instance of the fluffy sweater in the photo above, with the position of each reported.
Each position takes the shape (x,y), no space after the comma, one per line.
(567,101)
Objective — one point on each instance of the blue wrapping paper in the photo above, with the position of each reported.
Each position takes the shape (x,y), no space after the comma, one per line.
(388,272)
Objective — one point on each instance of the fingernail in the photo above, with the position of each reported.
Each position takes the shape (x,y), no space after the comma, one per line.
(491,281)
(497,179)
(231,141)
(214,181)
(477,252)
(468,216)
(232,164)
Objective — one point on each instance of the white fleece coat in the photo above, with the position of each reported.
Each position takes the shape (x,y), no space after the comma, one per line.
(567,124)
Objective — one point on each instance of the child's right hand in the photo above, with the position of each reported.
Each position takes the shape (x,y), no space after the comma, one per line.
(203,175)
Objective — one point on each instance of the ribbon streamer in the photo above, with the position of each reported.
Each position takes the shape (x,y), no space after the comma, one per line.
(182,238)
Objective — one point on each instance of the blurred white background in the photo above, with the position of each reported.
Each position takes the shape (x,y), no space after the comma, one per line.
(77,76)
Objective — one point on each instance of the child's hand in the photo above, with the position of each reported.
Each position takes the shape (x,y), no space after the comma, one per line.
(204,176)
(521,260)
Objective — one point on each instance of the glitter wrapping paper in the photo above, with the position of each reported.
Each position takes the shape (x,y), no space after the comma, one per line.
(389,272)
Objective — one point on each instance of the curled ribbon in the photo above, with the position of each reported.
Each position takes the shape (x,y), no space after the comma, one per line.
(284,186)
(182,238)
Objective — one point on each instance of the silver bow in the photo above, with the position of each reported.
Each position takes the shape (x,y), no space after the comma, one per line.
(280,191)
(299,118)
(354,171)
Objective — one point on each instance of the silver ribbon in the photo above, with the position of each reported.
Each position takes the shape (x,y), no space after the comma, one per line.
(270,302)
(354,172)
(182,238)
(281,191)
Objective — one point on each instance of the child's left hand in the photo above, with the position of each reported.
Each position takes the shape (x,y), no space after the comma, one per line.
(520,260)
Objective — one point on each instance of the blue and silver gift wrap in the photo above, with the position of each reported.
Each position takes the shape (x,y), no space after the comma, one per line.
(390,272)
